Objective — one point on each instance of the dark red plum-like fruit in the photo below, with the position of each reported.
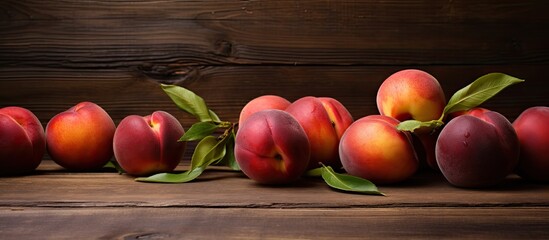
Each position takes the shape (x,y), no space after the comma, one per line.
(477,149)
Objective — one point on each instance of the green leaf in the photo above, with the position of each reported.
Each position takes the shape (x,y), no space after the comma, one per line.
(348,183)
(316,172)
(479,91)
(229,159)
(173,177)
(113,164)
(415,125)
(199,131)
(189,102)
(214,116)
(207,151)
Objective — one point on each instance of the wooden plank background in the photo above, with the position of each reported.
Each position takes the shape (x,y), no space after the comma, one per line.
(115,53)
(54,54)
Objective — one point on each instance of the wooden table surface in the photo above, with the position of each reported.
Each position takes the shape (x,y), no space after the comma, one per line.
(221,204)
(115,53)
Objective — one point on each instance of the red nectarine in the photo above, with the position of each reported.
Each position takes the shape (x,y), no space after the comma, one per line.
(262,103)
(324,120)
(22,141)
(81,137)
(532,127)
(272,148)
(148,145)
(411,94)
(372,148)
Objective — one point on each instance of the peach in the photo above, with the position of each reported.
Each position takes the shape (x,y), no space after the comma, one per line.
(411,94)
(372,148)
(262,103)
(149,145)
(324,120)
(81,138)
(477,149)
(272,148)
(22,141)
(533,133)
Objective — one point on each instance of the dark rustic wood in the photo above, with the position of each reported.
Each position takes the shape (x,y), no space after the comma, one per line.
(108,35)
(52,186)
(283,10)
(54,54)
(56,204)
(245,223)
(97,44)
(227,89)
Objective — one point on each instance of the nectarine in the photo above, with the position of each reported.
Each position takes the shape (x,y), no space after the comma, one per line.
(263,102)
(81,138)
(532,127)
(272,148)
(22,141)
(413,94)
(324,119)
(148,145)
(372,148)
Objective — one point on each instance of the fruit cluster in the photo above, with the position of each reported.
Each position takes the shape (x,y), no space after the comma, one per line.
(85,138)
(278,141)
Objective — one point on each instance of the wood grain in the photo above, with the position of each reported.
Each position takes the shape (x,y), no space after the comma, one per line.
(226,89)
(242,223)
(56,204)
(114,43)
(283,10)
(115,53)
(101,34)
(54,187)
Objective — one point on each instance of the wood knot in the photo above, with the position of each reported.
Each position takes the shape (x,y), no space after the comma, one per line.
(157,71)
(170,74)
(223,48)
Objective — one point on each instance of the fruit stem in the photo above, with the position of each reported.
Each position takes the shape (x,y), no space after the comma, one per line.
(230,127)
(225,124)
